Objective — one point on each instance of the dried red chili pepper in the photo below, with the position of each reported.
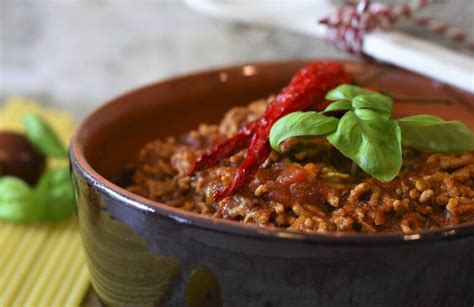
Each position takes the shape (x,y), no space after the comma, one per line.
(224,149)
(306,90)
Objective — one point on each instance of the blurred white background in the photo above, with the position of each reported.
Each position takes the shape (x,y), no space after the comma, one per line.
(81,53)
(78,54)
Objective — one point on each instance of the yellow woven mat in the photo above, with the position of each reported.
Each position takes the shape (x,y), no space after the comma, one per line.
(40,264)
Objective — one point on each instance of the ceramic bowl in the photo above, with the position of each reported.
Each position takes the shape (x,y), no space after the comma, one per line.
(141,252)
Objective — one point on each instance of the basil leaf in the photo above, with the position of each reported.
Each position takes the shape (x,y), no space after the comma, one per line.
(371,141)
(431,133)
(370,115)
(374,101)
(17,203)
(41,135)
(346,92)
(54,189)
(339,105)
(301,124)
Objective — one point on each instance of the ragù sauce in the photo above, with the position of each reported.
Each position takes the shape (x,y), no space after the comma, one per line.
(314,190)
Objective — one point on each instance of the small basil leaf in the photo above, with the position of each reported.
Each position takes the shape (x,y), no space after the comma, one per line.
(368,115)
(374,101)
(16,201)
(301,124)
(339,105)
(431,133)
(371,141)
(346,92)
(41,135)
(55,190)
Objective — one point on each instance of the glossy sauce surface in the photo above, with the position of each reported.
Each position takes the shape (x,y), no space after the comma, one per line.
(311,190)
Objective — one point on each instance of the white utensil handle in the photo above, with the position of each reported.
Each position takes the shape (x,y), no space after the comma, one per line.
(393,47)
(423,57)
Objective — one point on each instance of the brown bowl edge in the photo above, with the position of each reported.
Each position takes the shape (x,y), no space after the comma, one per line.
(79,162)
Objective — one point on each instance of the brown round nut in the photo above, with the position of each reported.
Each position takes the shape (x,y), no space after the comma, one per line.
(19,158)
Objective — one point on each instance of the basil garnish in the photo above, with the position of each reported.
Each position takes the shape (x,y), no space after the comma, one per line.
(376,102)
(301,124)
(340,105)
(371,141)
(346,92)
(368,136)
(431,133)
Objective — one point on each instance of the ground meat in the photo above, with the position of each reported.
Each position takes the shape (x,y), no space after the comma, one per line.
(310,192)
(238,116)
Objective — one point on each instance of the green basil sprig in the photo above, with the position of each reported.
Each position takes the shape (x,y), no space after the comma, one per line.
(301,124)
(371,141)
(52,198)
(431,133)
(346,92)
(368,136)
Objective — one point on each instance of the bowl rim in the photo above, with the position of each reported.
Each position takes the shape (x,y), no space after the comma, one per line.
(103,186)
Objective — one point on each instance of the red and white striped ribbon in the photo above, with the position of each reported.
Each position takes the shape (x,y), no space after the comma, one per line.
(348,25)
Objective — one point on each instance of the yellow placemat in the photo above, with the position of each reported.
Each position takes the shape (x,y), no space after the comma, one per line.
(40,264)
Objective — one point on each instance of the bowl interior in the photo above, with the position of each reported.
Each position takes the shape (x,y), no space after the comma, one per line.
(111,136)
(109,139)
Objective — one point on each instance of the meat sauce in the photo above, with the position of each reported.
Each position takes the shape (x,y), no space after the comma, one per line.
(313,190)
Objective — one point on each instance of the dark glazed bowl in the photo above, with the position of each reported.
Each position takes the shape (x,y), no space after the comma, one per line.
(141,252)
